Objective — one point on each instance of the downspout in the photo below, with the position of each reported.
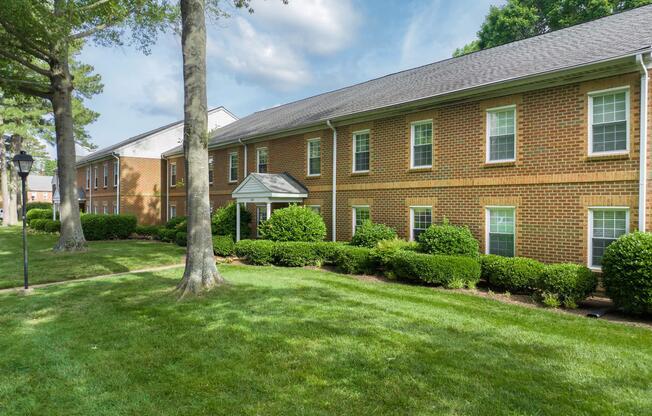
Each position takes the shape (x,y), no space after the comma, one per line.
(117,197)
(334,200)
(167,188)
(245,157)
(642,185)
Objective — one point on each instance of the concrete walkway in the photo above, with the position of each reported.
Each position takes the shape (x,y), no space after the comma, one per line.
(84,279)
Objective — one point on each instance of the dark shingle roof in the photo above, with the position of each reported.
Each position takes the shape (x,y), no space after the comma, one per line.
(39,183)
(280,182)
(607,38)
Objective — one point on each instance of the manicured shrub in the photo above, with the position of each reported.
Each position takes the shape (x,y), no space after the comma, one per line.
(147,230)
(166,235)
(38,205)
(444,270)
(355,260)
(448,239)
(295,254)
(174,222)
(38,213)
(223,245)
(37,224)
(514,274)
(107,227)
(181,238)
(259,252)
(569,284)
(627,272)
(224,218)
(294,223)
(46,225)
(369,234)
(385,250)
(326,250)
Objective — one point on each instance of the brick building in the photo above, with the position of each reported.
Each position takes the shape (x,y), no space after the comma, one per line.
(535,145)
(39,188)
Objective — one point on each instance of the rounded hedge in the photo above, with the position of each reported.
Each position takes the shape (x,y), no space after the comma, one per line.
(166,235)
(627,272)
(355,260)
(174,222)
(108,227)
(295,254)
(385,250)
(369,234)
(38,213)
(294,223)
(147,230)
(568,283)
(326,251)
(46,225)
(181,238)
(38,205)
(448,239)
(444,270)
(515,274)
(223,221)
(223,245)
(260,252)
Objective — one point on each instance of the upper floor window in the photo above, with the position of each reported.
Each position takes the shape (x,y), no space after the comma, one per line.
(96,179)
(88,177)
(261,159)
(501,231)
(609,122)
(501,134)
(606,224)
(420,220)
(314,157)
(105,174)
(233,167)
(361,151)
(116,169)
(173,174)
(421,148)
(361,214)
(210,170)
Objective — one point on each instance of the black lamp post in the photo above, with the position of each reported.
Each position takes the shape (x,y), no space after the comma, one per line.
(23,163)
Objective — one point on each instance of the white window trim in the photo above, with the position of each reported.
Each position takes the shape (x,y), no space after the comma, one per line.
(355,133)
(96,180)
(488,135)
(590,96)
(487,224)
(170,211)
(432,143)
(316,139)
(589,253)
(231,180)
(173,165)
(88,178)
(116,168)
(105,174)
(211,177)
(258,150)
(412,218)
(354,216)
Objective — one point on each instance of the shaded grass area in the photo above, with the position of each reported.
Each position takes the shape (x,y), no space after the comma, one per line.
(102,257)
(278,341)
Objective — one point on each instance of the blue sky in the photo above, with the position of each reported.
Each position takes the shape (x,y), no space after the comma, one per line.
(277,55)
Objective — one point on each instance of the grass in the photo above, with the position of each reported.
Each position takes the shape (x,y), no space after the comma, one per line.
(277,341)
(102,257)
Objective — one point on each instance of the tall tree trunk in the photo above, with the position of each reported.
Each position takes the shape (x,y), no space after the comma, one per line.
(71,237)
(14,182)
(200,273)
(4,184)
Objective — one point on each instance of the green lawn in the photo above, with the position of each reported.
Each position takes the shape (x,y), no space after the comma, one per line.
(102,257)
(277,341)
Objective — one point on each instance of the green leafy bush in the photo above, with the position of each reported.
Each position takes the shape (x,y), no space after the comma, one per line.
(385,250)
(569,284)
(355,260)
(166,235)
(514,274)
(37,224)
(326,251)
(45,225)
(259,252)
(38,205)
(295,254)
(294,223)
(627,272)
(444,270)
(448,239)
(174,222)
(181,238)
(223,245)
(147,230)
(224,218)
(369,234)
(38,213)
(107,227)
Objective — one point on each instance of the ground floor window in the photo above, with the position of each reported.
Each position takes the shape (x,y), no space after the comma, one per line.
(115,208)
(420,220)
(105,210)
(605,226)
(261,216)
(361,214)
(500,223)
(173,211)
(95,209)
(315,208)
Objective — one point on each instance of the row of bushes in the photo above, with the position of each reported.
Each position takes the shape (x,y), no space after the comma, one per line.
(45,225)
(95,227)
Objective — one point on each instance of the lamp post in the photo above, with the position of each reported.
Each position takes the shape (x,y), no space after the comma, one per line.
(23,163)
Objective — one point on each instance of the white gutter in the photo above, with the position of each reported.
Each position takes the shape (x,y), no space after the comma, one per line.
(334,200)
(642,180)
(117,197)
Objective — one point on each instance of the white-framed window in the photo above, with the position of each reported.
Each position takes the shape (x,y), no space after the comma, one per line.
(233,167)
(173,211)
(261,216)
(95,211)
(96,179)
(360,214)
(262,159)
(314,157)
(173,175)
(210,170)
(501,231)
(420,220)
(421,144)
(606,224)
(501,134)
(210,206)
(105,174)
(88,177)
(609,122)
(105,209)
(115,208)
(361,155)
(315,208)
(116,170)
(33,196)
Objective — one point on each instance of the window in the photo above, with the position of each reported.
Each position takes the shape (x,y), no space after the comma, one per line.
(88,177)
(314,157)
(233,167)
(33,196)
(315,208)
(173,175)
(105,174)
(501,134)
(173,211)
(361,151)
(261,159)
(210,170)
(261,216)
(96,180)
(210,206)
(500,223)
(115,208)
(605,226)
(116,169)
(95,209)
(609,122)
(421,144)
(420,220)
(360,215)
(105,210)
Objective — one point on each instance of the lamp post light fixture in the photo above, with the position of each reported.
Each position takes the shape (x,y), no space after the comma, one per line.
(23,163)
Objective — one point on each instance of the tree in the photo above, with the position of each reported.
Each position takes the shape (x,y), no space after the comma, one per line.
(38,40)
(520,19)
